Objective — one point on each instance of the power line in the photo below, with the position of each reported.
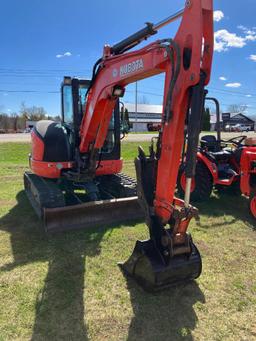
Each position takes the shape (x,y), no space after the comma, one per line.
(29,91)
(20,72)
(232,92)
(41,70)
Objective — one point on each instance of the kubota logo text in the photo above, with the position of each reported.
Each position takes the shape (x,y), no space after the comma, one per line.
(131,67)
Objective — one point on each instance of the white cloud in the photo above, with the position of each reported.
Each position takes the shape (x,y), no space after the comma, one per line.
(248,95)
(65,54)
(250,33)
(218,15)
(233,85)
(242,27)
(250,37)
(253,57)
(222,78)
(223,40)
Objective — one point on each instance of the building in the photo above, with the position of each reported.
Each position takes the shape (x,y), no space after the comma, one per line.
(30,124)
(231,120)
(146,114)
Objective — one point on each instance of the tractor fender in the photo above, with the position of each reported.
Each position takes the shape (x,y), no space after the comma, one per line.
(211,166)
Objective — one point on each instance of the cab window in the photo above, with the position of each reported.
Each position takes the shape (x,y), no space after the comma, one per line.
(67,104)
(82,98)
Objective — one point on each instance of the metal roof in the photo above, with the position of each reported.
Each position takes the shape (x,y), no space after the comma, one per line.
(148,120)
(144,108)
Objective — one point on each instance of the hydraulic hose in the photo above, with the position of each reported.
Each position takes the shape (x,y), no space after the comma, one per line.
(194,128)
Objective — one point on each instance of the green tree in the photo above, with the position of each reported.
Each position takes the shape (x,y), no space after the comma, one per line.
(206,121)
(125,122)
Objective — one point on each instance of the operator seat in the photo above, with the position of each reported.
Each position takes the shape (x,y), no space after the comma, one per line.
(210,143)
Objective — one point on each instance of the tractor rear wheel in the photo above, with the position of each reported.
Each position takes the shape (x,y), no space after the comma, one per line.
(202,184)
(252,203)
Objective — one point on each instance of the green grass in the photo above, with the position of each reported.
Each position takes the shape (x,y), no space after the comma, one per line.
(68,286)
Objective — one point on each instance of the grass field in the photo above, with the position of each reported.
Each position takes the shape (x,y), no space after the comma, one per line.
(68,286)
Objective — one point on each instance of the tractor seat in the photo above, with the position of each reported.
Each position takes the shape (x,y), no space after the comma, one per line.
(210,143)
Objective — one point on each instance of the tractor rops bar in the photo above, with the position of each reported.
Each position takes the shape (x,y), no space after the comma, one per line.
(144,33)
(217,104)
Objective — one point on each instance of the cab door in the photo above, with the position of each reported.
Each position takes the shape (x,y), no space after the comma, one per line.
(73,92)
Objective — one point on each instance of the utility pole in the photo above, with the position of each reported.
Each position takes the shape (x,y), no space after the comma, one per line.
(136,105)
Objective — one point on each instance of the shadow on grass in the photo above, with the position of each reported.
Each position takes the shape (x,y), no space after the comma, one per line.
(59,308)
(60,311)
(167,315)
(227,204)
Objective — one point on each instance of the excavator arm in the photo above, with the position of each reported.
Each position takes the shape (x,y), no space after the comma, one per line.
(186,62)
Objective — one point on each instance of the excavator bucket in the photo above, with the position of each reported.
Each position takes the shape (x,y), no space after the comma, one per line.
(148,268)
(50,204)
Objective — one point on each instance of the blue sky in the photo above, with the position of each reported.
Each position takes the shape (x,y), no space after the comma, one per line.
(41,41)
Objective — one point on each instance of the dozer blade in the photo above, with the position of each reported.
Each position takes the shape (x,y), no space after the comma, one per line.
(92,214)
(48,201)
(148,268)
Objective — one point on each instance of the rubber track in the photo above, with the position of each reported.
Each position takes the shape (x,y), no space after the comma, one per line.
(45,193)
(118,185)
(42,193)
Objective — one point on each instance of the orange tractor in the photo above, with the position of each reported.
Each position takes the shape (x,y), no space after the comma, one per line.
(222,164)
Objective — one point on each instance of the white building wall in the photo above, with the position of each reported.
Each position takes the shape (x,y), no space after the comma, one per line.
(139,127)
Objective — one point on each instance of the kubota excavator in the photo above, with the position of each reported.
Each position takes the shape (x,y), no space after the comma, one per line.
(73,159)
(61,195)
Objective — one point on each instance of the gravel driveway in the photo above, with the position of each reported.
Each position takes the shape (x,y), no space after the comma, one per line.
(129,138)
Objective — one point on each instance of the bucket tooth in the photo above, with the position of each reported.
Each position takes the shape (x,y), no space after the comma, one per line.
(149,269)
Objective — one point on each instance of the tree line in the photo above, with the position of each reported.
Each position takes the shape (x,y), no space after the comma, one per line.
(16,122)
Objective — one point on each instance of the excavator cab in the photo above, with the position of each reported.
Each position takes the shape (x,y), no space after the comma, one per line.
(73,103)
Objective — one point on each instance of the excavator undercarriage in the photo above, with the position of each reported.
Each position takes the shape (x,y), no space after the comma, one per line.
(63,206)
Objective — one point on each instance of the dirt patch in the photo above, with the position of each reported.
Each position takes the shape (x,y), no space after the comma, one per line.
(7,202)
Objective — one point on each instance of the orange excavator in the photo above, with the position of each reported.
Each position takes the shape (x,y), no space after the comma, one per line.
(73,158)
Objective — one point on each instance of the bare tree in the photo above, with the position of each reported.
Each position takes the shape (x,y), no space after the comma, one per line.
(14,121)
(33,113)
(4,122)
(237,108)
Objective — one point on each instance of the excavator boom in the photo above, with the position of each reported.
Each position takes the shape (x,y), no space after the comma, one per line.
(169,255)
